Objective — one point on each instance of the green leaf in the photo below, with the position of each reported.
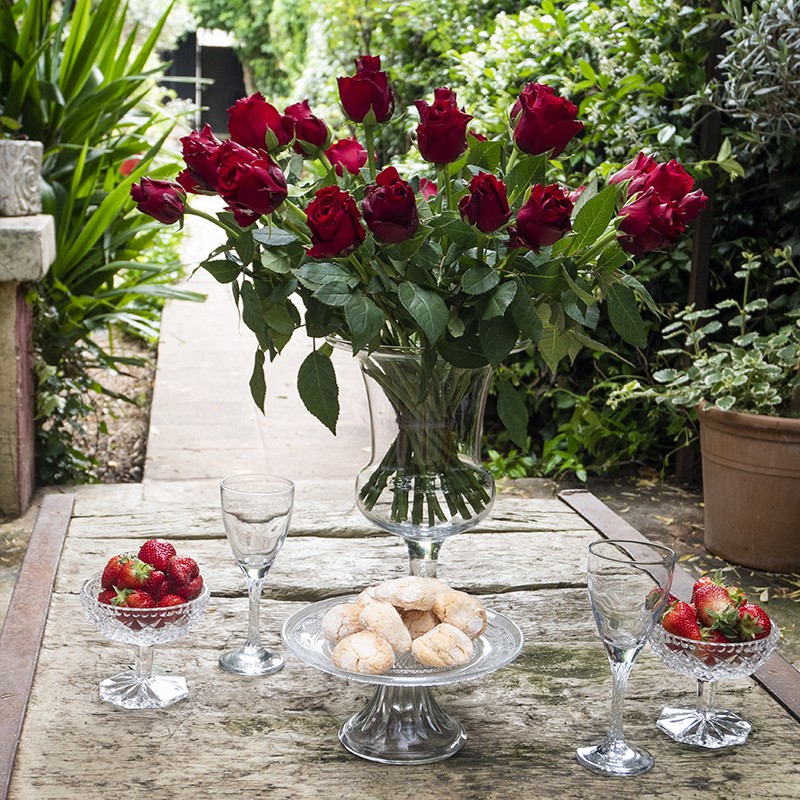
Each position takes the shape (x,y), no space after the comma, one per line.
(624,315)
(364,319)
(500,300)
(334,293)
(527,171)
(280,320)
(484,155)
(273,237)
(479,279)
(513,413)
(524,314)
(222,270)
(553,346)
(258,383)
(316,384)
(317,273)
(251,309)
(498,339)
(593,218)
(426,307)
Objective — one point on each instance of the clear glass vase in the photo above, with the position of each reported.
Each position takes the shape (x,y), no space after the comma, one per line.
(424,480)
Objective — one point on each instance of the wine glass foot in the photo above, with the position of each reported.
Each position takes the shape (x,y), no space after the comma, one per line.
(615,758)
(403,725)
(131,690)
(250,661)
(711,729)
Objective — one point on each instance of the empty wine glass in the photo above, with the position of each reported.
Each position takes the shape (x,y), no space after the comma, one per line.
(256,510)
(629,583)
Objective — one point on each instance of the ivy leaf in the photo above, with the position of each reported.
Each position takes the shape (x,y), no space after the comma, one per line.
(316,383)
(258,383)
(426,307)
(364,319)
(624,315)
(513,413)
(479,279)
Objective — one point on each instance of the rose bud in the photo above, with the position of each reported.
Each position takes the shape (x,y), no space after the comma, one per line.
(367,90)
(636,172)
(253,122)
(389,208)
(543,121)
(311,134)
(427,188)
(129,165)
(250,181)
(442,130)
(335,223)
(486,203)
(347,154)
(478,137)
(162,200)
(200,152)
(543,219)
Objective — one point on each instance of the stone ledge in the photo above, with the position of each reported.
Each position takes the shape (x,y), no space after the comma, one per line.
(27,247)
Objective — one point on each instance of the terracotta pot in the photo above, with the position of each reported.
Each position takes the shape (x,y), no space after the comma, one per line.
(751,487)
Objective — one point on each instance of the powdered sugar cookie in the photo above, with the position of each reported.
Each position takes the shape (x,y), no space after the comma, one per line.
(364,652)
(462,610)
(341,621)
(383,619)
(419,622)
(410,592)
(367,596)
(443,646)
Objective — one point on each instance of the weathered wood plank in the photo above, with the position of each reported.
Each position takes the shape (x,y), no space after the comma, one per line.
(276,736)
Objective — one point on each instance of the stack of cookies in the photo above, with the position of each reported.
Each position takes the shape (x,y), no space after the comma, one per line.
(420,616)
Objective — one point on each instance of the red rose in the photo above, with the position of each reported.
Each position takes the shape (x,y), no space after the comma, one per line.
(479,137)
(390,209)
(162,200)
(442,129)
(250,181)
(543,121)
(334,222)
(309,131)
(200,152)
(427,188)
(543,219)
(636,172)
(486,203)
(253,122)
(347,154)
(367,89)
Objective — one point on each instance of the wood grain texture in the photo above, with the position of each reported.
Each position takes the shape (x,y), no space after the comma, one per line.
(276,737)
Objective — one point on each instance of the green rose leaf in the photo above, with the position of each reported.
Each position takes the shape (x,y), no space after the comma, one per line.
(479,279)
(594,217)
(316,383)
(498,339)
(318,273)
(222,271)
(524,314)
(624,315)
(273,237)
(364,319)
(251,310)
(484,155)
(258,383)
(513,413)
(553,346)
(500,300)
(426,307)
(334,293)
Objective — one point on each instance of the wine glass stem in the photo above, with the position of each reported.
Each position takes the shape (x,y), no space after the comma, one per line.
(619,684)
(706,692)
(144,660)
(254,588)
(423,556)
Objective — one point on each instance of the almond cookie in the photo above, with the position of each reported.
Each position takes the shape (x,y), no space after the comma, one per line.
(367,596)
(461,610)
(419,622)
(364,652)
(444,646)
(340,621)
(410,592)
(383,619)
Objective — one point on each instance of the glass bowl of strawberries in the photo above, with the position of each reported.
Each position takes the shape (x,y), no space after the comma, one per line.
(718,635)
(141,603)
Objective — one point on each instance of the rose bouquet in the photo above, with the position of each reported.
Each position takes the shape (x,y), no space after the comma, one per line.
(461,265)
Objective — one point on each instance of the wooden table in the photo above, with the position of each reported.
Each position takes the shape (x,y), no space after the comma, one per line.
(276,737)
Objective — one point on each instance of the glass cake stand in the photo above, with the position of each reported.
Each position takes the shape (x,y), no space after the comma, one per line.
(402,723)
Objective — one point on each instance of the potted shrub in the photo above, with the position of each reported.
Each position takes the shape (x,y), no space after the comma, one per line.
(745,389)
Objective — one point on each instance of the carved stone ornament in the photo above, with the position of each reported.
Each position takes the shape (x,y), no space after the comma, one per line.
(20,166)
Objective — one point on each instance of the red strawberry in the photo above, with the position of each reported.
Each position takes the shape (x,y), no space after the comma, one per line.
(754,622)
(106,596)
(137,598)
(680,619)
(714,635)
(156,585)
(134,574)
(112,568)
(172,600)
(714,606)
(181,570)
(193,588)
(157,553)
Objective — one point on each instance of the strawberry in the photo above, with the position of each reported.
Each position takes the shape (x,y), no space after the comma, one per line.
(714,635)
(137,598)
(181,570)
(106,596)
(157,553)
(680,619)
(714,606)
(112,569)
(134,574)
(156,585)
(754,622)
(172,600)
(193,588)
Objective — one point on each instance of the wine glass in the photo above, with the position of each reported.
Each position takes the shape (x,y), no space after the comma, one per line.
(256,510)
(629,583)
(141,687)
(705,725)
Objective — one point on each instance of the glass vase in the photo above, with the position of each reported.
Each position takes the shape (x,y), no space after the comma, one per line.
(424,480)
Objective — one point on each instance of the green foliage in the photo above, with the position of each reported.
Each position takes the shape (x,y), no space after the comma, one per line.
(72,78)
